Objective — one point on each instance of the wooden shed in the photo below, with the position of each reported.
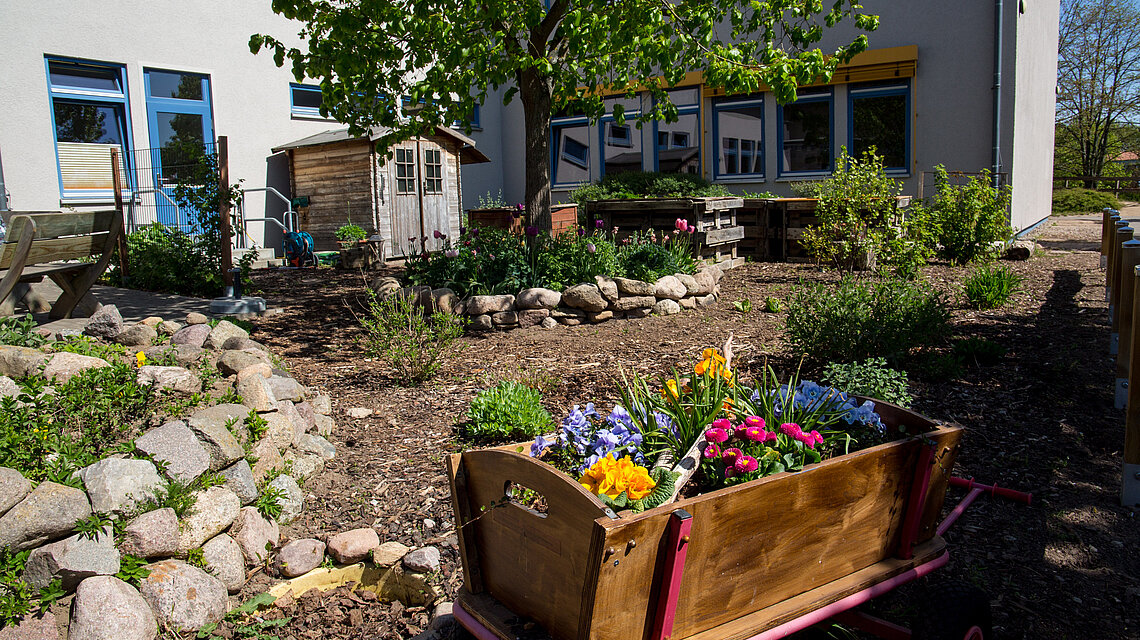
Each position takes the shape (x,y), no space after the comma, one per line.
(412,191)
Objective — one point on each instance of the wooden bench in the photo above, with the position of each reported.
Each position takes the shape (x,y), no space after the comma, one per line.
(58,245)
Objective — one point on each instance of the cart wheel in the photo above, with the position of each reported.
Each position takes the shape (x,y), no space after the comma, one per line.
(954,611)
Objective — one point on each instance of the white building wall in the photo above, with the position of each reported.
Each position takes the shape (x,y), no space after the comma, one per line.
(1034,106)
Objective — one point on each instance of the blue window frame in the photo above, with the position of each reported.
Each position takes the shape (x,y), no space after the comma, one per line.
(90,115)
(569,151)
(305,101)
(738,138)
(181,124)
(677,145)
(806,134)
(878,116)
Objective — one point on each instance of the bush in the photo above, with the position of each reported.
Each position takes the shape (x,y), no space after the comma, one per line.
(350,232)
(871,378)
(412,343)
(1082,201)
(644,258)
(969,218)
(508,411)
(991,286)
(20,332)
(856,319)
(646,184)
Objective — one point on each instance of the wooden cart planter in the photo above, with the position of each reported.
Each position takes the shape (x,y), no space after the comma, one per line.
(718,234)
(723,565)
(563,219)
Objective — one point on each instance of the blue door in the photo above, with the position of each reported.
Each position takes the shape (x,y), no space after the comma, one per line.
(181,129)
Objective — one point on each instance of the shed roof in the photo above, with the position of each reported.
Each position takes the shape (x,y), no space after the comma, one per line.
(468,153)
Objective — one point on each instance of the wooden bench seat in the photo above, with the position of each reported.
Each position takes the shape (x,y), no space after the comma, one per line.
(60,245)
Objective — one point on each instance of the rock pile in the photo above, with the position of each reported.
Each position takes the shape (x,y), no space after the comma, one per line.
(604,299)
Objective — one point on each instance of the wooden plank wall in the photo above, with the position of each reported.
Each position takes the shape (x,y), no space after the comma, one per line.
(337,178)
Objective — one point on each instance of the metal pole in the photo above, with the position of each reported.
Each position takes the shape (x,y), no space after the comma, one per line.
(1129,259)
(1123,235)
(1130,485)
(224,210)
(999,33)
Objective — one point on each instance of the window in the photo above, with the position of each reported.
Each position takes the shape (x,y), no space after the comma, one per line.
(678,143)
(90,116)
(305,101)
(433,171)
(621,143)
(738,133)
(570,150)
(180,119)
(405,171)
(879,117)
(805,135)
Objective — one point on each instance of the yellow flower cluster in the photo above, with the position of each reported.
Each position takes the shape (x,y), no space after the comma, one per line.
(611,477)
(712,365)
(141,357)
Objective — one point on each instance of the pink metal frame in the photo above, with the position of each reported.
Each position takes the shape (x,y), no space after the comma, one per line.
(842,610)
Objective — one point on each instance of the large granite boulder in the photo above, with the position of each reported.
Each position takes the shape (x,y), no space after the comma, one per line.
(183,596)
(106,608)
(72,560)
(49,512)
(175,445)
(586,297)
(120,484)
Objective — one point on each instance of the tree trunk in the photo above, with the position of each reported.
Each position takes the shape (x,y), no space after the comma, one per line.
(534,90)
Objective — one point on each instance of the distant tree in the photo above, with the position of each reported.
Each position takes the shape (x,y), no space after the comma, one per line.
(1098,82)
(445,56)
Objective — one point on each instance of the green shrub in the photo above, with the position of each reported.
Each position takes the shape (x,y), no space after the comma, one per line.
(979,351)
(17,598)
(1082,201)
(856,319)
(508,411)
(351,232)
(645,258)
(991,286)
(20,332)
(970,218)
(871,378)
(647,184)
(412,343)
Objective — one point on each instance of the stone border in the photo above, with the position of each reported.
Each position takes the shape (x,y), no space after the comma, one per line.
(605,299)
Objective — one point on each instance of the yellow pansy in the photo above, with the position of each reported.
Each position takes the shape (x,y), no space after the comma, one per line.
(141,357)
(670,389)
(610,477)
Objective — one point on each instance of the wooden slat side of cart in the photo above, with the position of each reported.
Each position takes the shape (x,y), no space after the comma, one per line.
(718,234)
(758,554)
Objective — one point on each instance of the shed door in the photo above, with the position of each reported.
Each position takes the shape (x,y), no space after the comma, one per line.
(434,200)
(406,228)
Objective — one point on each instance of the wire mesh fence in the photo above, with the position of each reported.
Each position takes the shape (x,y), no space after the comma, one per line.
(154,176)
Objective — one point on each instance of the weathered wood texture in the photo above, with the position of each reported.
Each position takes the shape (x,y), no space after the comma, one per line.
(563,219)
(714,218)
(338,182)
(753,547)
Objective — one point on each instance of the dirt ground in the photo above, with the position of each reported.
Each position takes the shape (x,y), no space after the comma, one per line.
(1042,420)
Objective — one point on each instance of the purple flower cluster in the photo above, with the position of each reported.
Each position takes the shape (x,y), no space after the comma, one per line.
(587,437)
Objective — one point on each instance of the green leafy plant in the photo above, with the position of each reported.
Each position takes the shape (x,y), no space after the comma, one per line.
(133,570)
(351,232)
(991,286)
(508,411)
(17,598)
(979,351)
(492,201)
(93,525)
(772,304)
(256,425)
(743,305)
(970,218)
(242,623)
(870,378)
(196,558)
(1082,201)
(646,184)
(20,332)
(88,346)
(410,341)
(269,502)
(856,318)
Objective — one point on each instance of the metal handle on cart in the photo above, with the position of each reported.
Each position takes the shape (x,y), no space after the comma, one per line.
(976,489)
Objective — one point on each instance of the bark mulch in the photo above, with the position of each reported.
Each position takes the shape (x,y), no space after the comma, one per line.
(1041,420)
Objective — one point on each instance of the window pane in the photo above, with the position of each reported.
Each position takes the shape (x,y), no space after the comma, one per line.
(571,153)
(622,151)
(306,98)
(741,130)
(169,84)
(90,123)
(880,122)
(181,141)
(807,136)
(684,97)
(679,152)
(81,76)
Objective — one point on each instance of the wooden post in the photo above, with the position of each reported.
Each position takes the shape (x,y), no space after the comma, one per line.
(1123,235)
(121,242)
(1129,260)
(1130,485)
(1109,279)
(1105,224)
(223,154)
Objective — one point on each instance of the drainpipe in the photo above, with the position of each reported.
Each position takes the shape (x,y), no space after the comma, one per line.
(3,190)
(998,34)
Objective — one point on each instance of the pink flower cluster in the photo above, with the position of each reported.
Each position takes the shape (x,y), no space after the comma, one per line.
(751,432)
(682,225)
(793,431)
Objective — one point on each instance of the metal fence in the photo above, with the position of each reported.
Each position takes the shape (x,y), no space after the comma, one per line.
(154,175)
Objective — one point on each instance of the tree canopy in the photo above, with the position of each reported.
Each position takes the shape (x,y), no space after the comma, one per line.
(1098,83)
(409,65)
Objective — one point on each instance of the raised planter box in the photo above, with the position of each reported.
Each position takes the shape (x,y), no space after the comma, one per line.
(756,555)
(717,237)
(563,217)
(774,227)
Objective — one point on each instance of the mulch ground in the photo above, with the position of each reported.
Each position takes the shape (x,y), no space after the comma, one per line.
(1042,420)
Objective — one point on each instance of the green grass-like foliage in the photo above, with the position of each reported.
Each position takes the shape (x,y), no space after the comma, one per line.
(20,332)
(269,502)
(508,411)
(991,286)
(647,184)
(411,342)
(856,319)
(18,598)
(870,378)
(1082,201)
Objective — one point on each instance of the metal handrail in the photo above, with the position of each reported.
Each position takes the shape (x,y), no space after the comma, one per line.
(133,225)
(288,220)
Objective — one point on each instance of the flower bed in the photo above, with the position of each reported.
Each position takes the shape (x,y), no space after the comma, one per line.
(798,491)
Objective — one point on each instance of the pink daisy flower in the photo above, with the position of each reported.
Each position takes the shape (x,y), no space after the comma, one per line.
(754,421)
(771,436)
(712,451)
(806,438)
(746,464)
(730,456)
(722,423)
(755,434)
(716,434)
(791,429)
(815,435)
